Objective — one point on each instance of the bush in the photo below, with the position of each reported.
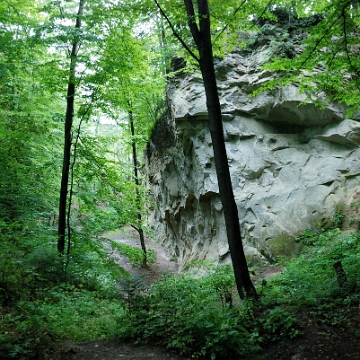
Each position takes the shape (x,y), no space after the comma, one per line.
(22,336)
(278,322)
(310,280)
(46,297)
(188,316)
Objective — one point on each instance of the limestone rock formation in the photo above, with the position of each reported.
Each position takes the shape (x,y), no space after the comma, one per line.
(291,163)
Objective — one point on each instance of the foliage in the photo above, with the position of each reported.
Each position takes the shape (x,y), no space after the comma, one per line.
(29,134)
(27,268)
(67,312)
(38,289)
(187,315)
(278,322)
(61,313)
(226,20)
(282,34)
(327,64)
(45,297)
(309,237)
(309,281)
(338,218)
(22,337)
(104,193)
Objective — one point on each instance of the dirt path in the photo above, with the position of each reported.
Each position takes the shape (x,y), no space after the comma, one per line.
(110,349)
(129,236)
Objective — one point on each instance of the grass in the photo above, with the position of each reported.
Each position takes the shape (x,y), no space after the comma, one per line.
(28,327)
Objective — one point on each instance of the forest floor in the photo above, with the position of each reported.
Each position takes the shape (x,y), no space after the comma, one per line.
(316,340)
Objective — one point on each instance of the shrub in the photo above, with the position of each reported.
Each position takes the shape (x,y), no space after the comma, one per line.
(186,315)
(46,296)
(310,280)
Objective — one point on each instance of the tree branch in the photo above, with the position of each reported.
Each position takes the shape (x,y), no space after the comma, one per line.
(102,171)
(266,7)
(192,22)
(342,14)
(321,39)
(14,8)
(227,25)
(176,34)
(329,63)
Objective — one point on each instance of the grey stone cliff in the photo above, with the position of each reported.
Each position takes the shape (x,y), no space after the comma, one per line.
(291,163)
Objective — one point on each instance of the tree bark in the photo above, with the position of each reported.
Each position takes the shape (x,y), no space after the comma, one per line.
(69,117)
(202,37)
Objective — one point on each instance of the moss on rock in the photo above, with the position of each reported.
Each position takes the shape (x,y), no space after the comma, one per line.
(285,246)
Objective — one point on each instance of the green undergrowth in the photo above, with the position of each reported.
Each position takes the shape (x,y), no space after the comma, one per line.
(62,313)
(310,282)
(45,297)
(191,316)
(203,317)
(86,297)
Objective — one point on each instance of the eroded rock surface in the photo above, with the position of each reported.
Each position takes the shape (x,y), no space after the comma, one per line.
(291,163)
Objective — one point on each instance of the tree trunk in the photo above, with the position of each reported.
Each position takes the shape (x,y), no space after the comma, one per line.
(202,37)
(69,116)
(137,183)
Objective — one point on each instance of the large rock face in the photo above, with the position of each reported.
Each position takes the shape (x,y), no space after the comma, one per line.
(291,163)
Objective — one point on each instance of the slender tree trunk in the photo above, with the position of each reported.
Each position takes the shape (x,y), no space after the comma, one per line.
(138,227)
(202,37)
(69,116)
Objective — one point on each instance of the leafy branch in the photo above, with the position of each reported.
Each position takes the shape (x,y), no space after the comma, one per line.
(176,34)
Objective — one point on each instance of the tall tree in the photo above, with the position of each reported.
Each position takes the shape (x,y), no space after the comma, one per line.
(69,117)
(139,226)
(107,54)
(199,25)
(133,89)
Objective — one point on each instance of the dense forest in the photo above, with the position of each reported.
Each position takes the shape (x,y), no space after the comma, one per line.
(83,89)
